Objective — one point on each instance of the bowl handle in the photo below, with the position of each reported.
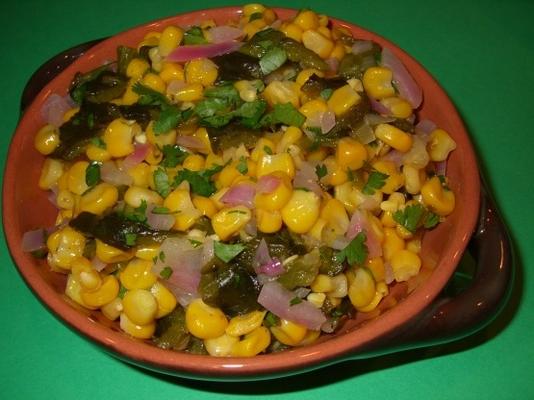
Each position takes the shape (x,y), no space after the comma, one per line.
(451,317)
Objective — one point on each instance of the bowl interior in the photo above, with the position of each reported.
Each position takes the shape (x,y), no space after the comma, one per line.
(26,207)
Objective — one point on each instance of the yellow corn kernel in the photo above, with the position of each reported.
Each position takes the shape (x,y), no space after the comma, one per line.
(377,82)
(246,323)
(129,97)
(412,179)
(317,299)
(317,43)
(305,74)
(229,221)
(165,299)
(201,70)
(194,162)
(154,82)
(179,200)
(340,286)
(205,205)
(301,211)
(76,177)
(405,265)
(47,139)
(108,290)
(140,306)
(343,193)
(307,19)
(137,331)
(155,58)
(136,68)
(202,134)
(276,163)
(437,198)
(392,243)
(70,113)
(204,321)
(147,252)
(88,277)
(171,72)
(387,219)
(216,198)
(317,229)
(135,196)
(323,20)
(440,144)
(73,290)
(253,27)
(414,245)
(289,333)
(253,343)
(336,175)
(113,309)
(269,16)
(160,140)
(170,39)
(279,197)
(99,199)
(318,155)
(263,146)
(334,213)
(138,275)
(362,288)
(252,8)
(338,52)
(312,107)
(350,154)
(376,300)
(291,136)
(154,156)
(221,346)
(228,175)
(118,137)
(65,199)
(376,266)
(343,99)
(322,284)
(95,153)
(399,108)
(110,254)
(403,233)
(188,93)
(323,30)
(64,246)
(292,31)
(395,179)
(394,137)
(268,221)
(51,171)
(141,174)
(282,92)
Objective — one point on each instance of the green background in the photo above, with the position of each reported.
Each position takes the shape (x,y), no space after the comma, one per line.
(482,52)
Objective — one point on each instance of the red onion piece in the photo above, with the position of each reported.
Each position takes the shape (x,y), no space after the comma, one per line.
(264,264)
(161,222)
(306,177)
(267,184)
(98,264)
(190,52)
(361,46)
(379,107)
(441,167)
(190,142)
(52,195)
(137,157)
(333,64)
(34,240)
(224,33)
(359,222)
(109,173)
(425,127)
(273,268)
(240,195)
(277,299)
(54,108)
(324,120)
(408,88)
(394,156)
(388,273)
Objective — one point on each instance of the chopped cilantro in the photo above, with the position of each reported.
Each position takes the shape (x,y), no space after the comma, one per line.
(295,300)
(355,252)
(122,291)
(92,174)
(166,272)
(225,92)
(149,96)
(242,165)
(161,256)
(162,183)
(271,320)
(130,239)
(431,220)
(272,60)
(375,181)
(161,210)
(268,150)
(172,156)
(98,142)
(227,252)
(195,243)
(194,36)
(410,217)
(315,130)
(250,113)
(443,181)
(321,170)
(285,114)
(168,119)
(326,93)
(200,181)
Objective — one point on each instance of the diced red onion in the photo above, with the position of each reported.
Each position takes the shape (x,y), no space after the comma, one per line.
(328,326)
(276,24)
(324,120)
(267,184)
(333,64)
(54,108)
(109,173)
(277,299)
(425,127)
(137,157)
(408,88)
(224,33)
(190,142)
(240,195)
(441,167)
(264,264)
(34,240)
(379,107)
(162,222)
(208,251)
(273,268)
(394,156)
(359,222)
(306,177)
(361,46)
(340,243)
(389,277)
(190,52)
(182,296)
(98,264)
(52,195)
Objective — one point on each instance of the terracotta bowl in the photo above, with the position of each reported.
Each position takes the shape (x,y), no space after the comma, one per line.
(419,315)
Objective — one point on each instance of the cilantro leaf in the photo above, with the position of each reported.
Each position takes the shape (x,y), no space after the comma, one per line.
(268,150)
(200,181)
(355,252)
(148,96)
(250,113)
(98,142)
(295,300)
(321,170)
(130,239)
(285,114)
(226,92)
(166,272)
(92,174)
(195,243)
(272,60)
(161,210)
(137,214)
(271,320)
(227,252)
(430,220)
(162,183)
(161,256)
(411,217)
(194,36)
(375,181)
(172,156)
(242,166)
(168,119)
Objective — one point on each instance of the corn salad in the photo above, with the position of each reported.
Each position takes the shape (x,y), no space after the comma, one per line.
(242,188)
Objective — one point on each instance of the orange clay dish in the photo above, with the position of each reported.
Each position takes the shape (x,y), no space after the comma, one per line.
(243,188)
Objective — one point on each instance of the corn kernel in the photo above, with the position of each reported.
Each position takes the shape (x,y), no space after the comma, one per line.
(118,137)
(202,134)
(246,323)
(51,171)
(438,199)
(204,321)
(229,221)
(405,265)
(291,136)
(289,333)
(377,82)
(138,275)
(343,99)
(191,92)
(268,221)
(76,177)
(252,8)
(440,144)
(113,309)
(399,108)
(205,205)
(165,299)
(140,306)
(292,31)
(95,153)
(135,196)
(307,19)
(64,246)
(334,213)
(302,211)
(313,107)
(137,331)
(47,139)
(376,266)
(194,162)
(147,252)
(316,42)
(276,163)
(170,39)
(279,197)
(350,154)
(221,346)
(253,343)
(108,290)
(73,290)
(317,299)
(263,146)
(338,52)
(282,92)
(395,179)
(392,243)
(305,74)
(136,68)
(171,72)
(362,288)
(99,199)
(394,137)
(110,254)
(322,284)
(201,70)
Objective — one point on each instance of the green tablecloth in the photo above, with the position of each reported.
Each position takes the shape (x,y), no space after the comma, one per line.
(482,52)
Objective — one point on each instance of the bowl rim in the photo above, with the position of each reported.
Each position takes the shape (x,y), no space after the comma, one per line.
(184,364)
